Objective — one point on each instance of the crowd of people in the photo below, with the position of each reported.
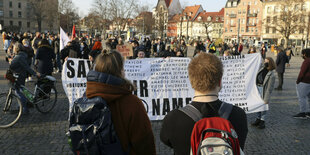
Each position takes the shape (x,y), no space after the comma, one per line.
(38,54)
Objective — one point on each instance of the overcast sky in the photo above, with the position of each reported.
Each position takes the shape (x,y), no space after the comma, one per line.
(208,5)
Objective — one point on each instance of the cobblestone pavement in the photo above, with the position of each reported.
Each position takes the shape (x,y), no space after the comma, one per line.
(45,134)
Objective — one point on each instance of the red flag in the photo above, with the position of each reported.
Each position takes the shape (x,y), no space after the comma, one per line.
(73,33)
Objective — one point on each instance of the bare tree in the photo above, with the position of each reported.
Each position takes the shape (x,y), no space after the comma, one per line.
(101,8)
(38,7)
(161,21)
(289,15)
(144,22)
(208,24)
(68,15)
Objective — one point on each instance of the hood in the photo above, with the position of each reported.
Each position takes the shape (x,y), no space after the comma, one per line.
(107,86)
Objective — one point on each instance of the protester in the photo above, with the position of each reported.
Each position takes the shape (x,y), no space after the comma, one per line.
(57,63)
(36,41)
(141,54)
(129,117)
(280,62)
(20,65)
(135,49)
(30,54)
(240,48)
(303,86)
(177,126)
(263,50)
(289,53)
(226,53)
(44,58)
(265,84)
(252,50)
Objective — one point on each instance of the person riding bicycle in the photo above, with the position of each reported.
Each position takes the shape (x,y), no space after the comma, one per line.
(20,66)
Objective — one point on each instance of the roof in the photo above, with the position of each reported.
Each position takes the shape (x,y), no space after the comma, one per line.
(204,16)
(175,18)
(191,11)
(168,2)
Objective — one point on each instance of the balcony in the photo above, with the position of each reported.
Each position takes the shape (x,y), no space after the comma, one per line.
(252,15)
(233,15)
(251,24)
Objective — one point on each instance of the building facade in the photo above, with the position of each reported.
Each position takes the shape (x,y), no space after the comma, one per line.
(272,22)
(164,10)
(209,25)
(18,16)
(243,17)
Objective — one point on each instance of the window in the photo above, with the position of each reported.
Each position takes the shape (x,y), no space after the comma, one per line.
(19,14)
(209,18)
(268,9)
(11,23)
(243,21)
(275,19)
(255,3)
(28,24)
(11,13)
(225,29)
(1,3)
(229,4)
(1,13)
(19,5)
(231,30)
(247,29)
(267,30)
(244,11)
(256,30)
(304,7)
(250,3)
(276,9)
(268,20)
(19,23)
(217,19)
(273,30)
(1,22)
(301,31)
(242,29)
(235,4)
(239,12)
(11,4)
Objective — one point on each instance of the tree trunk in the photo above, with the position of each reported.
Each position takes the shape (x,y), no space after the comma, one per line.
(39,25)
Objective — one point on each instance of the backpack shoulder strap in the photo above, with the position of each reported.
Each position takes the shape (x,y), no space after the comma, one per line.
(225,110)
(192,112)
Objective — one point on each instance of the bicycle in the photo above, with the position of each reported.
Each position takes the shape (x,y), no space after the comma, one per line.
(44,97)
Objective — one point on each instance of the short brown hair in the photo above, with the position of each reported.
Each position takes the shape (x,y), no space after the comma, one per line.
(205,72)
(271,64)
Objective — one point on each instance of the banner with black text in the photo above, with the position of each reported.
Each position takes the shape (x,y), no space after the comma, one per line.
(163,84)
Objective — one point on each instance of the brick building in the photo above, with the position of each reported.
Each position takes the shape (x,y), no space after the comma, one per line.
(243,17)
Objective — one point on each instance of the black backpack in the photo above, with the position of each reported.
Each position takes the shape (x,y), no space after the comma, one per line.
(91,128)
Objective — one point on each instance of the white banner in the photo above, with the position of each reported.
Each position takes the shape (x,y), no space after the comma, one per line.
(163,84)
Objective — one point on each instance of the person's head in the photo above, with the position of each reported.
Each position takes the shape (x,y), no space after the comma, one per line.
(252,50)
(38,34)
(226,53)
(270,64)
(179,54)
(18,47)
(43,42)
(305,53)
(26,42)
(205,73)
(141,54)
(111,63)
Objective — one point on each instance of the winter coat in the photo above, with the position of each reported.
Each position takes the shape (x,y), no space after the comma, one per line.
(20,65)
(268,85)
(129,116)
(45,56)
(281,61)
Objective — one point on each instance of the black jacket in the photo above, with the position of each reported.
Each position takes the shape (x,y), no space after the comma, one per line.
(281,61)
(177,126)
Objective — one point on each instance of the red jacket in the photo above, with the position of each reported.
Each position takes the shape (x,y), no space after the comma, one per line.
(304,74)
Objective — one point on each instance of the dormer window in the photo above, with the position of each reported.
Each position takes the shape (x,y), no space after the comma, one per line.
(229,4)
(234,4)
(209,18)
(199,18)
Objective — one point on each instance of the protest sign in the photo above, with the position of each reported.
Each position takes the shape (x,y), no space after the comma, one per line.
(163,84)
(125,50)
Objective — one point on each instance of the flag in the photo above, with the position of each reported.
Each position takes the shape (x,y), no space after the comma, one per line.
(73,33)
(64,39)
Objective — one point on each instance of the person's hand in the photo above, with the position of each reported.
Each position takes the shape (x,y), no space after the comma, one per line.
(66,58)
(38,75)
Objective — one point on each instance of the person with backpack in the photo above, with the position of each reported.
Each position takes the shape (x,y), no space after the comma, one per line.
(265,80)
(124,126)
(177,125)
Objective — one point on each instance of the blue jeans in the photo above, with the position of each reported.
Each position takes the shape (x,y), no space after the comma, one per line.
(22,98)
(261,115)
(303,94)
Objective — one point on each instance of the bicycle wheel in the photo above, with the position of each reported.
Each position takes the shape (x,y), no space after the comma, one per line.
(10,110)
(48,101)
